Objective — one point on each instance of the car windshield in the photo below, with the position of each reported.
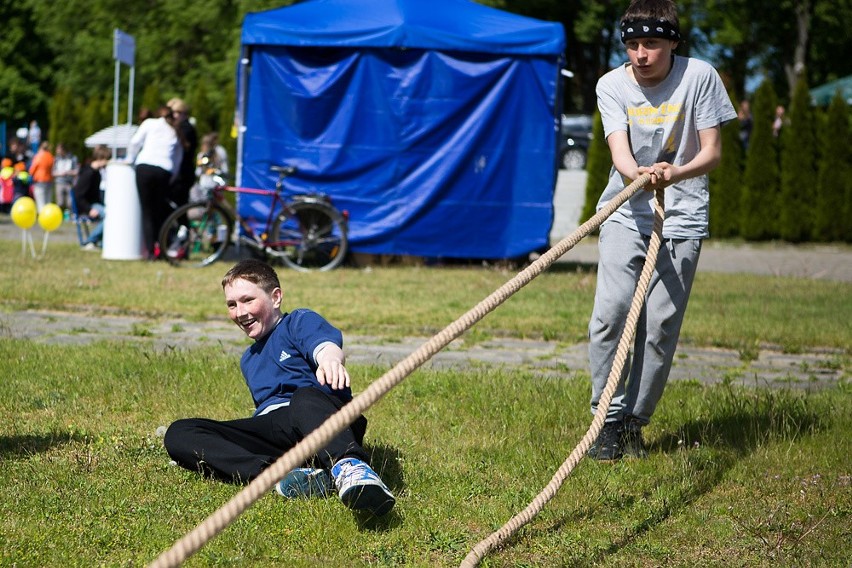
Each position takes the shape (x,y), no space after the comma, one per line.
(576,123)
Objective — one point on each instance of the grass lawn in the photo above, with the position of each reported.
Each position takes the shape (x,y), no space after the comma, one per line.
(736,476)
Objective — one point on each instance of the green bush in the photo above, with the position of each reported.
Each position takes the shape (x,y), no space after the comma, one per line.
(758,202)
(798,169)
(832,208)
(598,167)
(725,183)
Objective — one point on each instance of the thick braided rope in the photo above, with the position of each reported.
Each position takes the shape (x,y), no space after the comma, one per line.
(515,523)
(320,437)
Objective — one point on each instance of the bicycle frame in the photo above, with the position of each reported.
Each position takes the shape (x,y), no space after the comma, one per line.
(251,237)
(305,231)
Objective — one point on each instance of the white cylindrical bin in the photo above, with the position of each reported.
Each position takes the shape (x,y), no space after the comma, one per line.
(123,215)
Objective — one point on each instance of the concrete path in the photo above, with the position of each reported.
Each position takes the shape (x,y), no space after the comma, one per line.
(544,358)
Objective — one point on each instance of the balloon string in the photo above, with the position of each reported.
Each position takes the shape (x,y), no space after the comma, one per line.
(32,246)
(44,243)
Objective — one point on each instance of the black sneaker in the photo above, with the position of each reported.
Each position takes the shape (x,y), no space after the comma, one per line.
(632,444)
(608,445)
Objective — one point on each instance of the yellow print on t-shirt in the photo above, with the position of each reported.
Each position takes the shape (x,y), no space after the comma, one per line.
(649,115)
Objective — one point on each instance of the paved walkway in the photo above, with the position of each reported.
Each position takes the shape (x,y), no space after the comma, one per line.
(551,359)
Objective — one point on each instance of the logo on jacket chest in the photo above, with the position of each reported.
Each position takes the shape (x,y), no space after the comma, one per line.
(284,356)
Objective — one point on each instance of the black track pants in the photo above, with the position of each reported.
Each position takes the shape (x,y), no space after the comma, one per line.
(238,450)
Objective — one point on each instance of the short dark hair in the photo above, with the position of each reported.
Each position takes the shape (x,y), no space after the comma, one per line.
(101,152)
(254,271)
(652,10)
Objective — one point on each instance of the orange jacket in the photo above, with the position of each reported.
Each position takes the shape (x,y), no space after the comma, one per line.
(41,167)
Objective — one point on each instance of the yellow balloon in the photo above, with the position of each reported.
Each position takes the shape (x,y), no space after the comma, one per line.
(24,212)
(50,217)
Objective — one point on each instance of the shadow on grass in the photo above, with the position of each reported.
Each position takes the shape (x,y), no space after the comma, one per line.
(574,267)
(743,419)
(385,460)
(12,447)
(512,264)
(740,422)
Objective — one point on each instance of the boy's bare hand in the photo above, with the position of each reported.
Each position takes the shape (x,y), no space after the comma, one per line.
(331,372)
(662,175)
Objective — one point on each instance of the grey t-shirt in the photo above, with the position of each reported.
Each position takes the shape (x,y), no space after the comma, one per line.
(662,124)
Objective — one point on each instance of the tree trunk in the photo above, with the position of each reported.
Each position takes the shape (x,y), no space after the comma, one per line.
(803,27)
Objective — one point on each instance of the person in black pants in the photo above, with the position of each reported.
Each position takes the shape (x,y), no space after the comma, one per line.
(186,170)
(156,149)
(297,378)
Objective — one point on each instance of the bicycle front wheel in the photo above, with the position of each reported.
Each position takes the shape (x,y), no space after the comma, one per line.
(196,234)
(310,235)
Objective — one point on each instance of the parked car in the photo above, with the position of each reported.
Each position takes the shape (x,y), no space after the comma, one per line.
(574,140)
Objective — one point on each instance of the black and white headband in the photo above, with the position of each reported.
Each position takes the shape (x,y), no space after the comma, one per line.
(649,28)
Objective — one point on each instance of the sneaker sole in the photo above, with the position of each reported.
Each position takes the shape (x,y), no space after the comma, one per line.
(369,498)
(593,455)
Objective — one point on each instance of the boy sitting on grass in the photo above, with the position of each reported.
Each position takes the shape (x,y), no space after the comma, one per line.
(295,372)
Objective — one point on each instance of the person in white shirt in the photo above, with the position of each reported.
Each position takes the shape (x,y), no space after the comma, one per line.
(156,150)
(65,169)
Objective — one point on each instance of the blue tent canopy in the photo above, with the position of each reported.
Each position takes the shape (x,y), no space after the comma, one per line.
(433,123)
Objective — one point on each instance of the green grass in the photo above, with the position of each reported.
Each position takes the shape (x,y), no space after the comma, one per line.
(754,476)
(737,476)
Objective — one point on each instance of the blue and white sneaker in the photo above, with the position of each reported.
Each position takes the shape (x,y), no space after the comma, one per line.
(304,483)
(361,488)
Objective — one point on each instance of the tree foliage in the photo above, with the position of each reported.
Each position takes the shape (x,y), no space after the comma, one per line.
(758,202)
(598,167)
(798,169)
(179,45)
(745,38)
(50,44)
(833,202)
(725,182)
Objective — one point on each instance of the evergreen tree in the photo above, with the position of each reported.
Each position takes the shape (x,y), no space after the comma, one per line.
(833,202)
(725,182)
(598,167)
(204,114)
(226,129)
(798,169)
(152,99)
(758,208)
(96,114)
(64,123)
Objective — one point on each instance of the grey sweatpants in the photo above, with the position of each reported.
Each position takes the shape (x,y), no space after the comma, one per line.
(622,256)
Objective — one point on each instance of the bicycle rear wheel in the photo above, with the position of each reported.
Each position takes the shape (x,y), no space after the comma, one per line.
(196,234)
(310,235)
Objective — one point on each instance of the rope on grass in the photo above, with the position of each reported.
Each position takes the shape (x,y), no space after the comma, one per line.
(319,438)
(536,505)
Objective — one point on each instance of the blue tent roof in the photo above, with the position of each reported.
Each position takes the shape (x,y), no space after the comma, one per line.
(422,24)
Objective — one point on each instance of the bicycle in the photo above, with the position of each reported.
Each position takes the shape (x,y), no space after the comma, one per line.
(307,232)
